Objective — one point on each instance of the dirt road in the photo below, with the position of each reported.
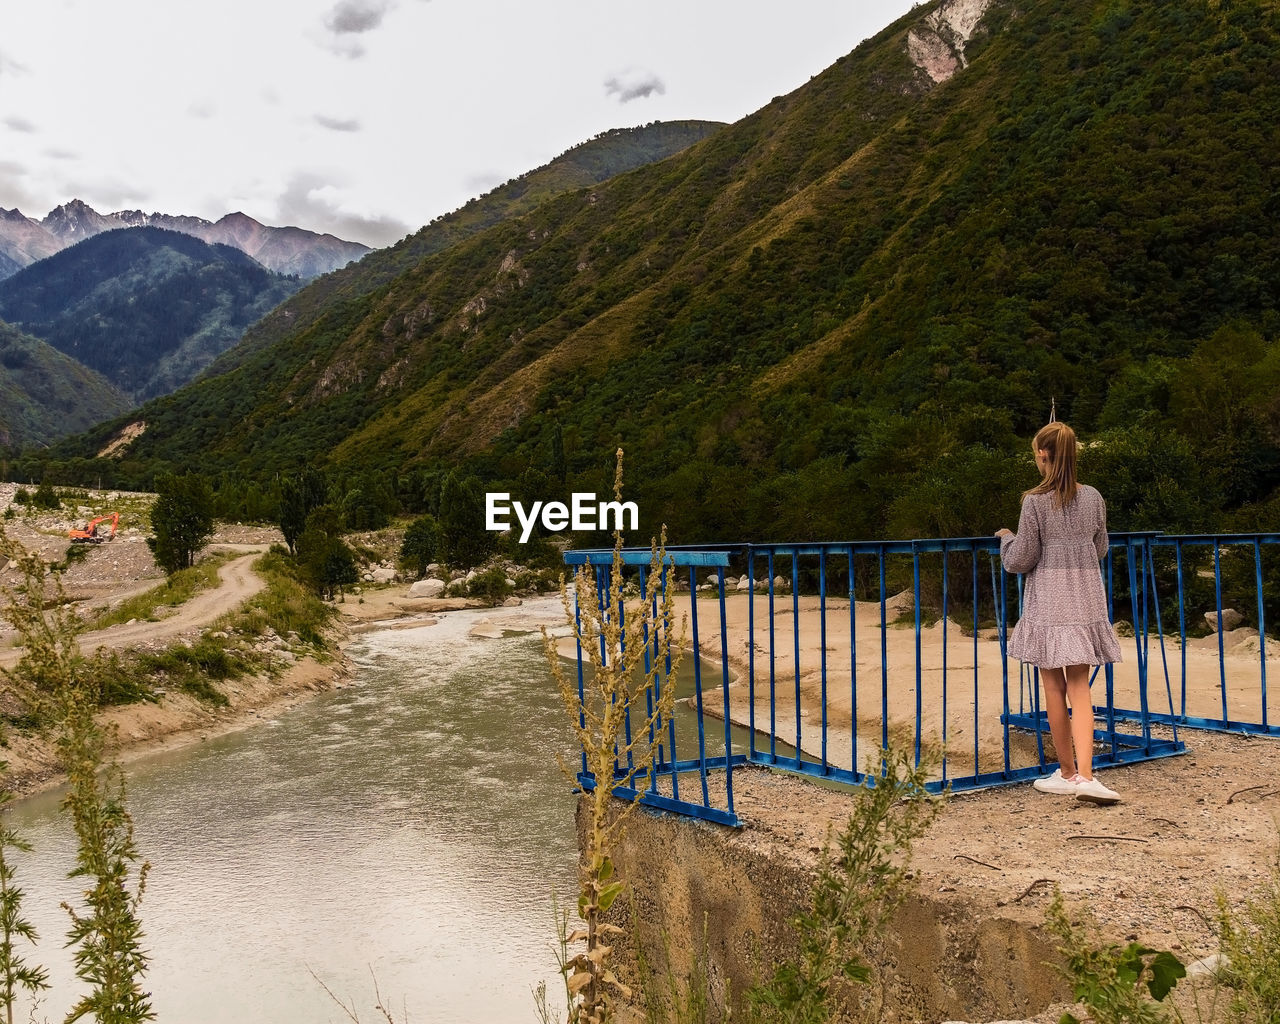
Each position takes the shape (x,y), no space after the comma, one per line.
(237,582)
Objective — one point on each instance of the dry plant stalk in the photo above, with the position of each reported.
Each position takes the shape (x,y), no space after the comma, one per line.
(622,683)
(109,956)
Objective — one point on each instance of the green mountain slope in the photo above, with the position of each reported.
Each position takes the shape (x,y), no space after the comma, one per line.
(45,395)
(846,314)
(147,308)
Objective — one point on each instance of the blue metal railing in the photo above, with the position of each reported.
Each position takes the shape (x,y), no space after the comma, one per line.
(944,689)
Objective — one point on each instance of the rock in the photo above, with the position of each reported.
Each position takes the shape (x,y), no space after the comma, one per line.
(1208,965)
(512,602)
(218,635)
(470,576)
(743,584)
(1230,619)
(433,567)
(11,566)
(781,583)
(383,575)
(427,588)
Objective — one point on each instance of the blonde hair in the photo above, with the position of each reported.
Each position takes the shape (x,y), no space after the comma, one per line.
(1058,442)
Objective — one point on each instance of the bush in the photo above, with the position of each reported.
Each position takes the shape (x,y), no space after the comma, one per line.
(490,585)
(46,497)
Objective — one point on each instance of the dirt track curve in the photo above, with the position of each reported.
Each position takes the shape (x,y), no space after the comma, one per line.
(237,582)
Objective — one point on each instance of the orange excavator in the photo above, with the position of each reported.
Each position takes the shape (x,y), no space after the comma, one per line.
(96,530)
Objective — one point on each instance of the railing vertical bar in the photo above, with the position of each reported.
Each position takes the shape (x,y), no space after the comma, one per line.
(604,599)
(751,656)
(582,696)
(1262,626)
(651,678)
(1110,672)
(773,691)
(884,660)
(822,632)
(1003,626)
(1182,622)
(976,764)
(1164,657)
(795,636)
(1222,659)
(622,656)
(853,665)
(697,688)
(915,567)
(1139,618)
(671,719)
(724,687)
(945,612)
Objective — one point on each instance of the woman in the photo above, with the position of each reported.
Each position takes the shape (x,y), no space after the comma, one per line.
(1064,629)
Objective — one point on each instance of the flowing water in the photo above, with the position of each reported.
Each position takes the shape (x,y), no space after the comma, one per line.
(413,827)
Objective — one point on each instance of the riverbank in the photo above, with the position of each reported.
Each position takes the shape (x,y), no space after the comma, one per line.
(179,719)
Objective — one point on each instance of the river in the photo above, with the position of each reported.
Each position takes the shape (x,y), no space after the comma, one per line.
(412,827)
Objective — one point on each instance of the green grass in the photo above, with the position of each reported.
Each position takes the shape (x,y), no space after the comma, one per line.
(176,590)
(287,605)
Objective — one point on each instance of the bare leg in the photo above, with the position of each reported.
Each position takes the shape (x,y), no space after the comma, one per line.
(1077,682)
(1055,703)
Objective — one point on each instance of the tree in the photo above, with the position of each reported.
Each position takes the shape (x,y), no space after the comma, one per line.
(182,520)
(300,496)
(325,560)
(464,541)
(421,540)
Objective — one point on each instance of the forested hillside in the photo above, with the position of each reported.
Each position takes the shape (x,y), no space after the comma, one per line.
(846,314)
(591,162)
(145,307)
(45,395)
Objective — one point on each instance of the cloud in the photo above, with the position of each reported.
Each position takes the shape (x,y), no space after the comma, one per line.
(61,154)
(19,124)
(13,192)
(9,66)
(337,124)
(634,84)
(202,108)
(104,194)
(356,16)
(311,202)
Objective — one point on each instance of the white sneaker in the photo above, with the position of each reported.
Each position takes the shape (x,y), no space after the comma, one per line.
(1055,783)
(1094,792)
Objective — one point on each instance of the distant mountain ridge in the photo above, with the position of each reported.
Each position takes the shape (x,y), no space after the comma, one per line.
(286,250)
(146,307)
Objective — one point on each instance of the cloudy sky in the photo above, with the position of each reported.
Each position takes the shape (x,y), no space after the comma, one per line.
(368,118)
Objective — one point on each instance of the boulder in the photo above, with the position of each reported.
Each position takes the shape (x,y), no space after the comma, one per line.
(427,588)
(512,602)
(383,575)
(743,584)
(1230,619)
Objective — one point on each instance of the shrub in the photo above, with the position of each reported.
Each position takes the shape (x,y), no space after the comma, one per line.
(490,585)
